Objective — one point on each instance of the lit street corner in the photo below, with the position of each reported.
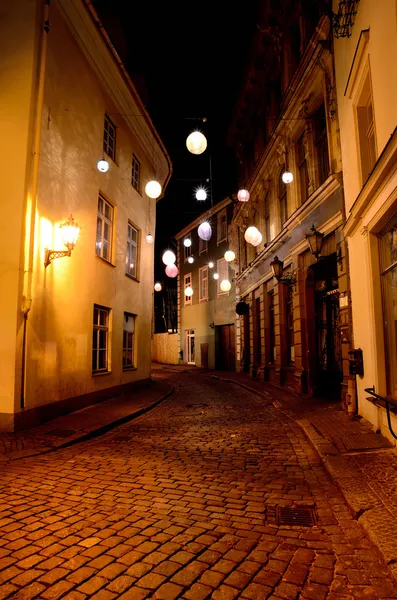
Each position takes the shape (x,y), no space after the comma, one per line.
(212,494)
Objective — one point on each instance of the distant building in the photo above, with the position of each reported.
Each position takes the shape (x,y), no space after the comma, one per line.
(206,319)
(365,64)
(79,329)
(296,332)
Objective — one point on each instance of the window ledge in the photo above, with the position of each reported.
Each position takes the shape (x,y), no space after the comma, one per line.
(130,369)
(132,277)
(110,158)
(202,300)
(100,373)
(105,260)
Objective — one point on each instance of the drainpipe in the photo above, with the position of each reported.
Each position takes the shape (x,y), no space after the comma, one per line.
(28,274)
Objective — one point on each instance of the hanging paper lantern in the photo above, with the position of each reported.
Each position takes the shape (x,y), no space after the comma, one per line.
(204,231)
(171,270)
(229,256)
(243,195)
(287,177)
(225,285)
(253,236)
(211,264)
(169,257)
(196,142)
(153,189)
(157,287)
(102,165)
(149,238)
(187,242)
(216,276)
(188,291)
(201,194)
(190,260)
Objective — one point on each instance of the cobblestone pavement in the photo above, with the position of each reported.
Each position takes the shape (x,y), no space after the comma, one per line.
(183,503)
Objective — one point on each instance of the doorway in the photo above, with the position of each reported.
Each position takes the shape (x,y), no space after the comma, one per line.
(225,355)
(190,354)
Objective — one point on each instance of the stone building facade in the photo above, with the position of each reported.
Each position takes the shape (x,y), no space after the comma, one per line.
(296,332)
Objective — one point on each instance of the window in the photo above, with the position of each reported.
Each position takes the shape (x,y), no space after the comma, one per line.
(136,173)
(203,245)
(267,218)
(203,284)
(187,250)
(109,138)
(104,229)
(131,258)
(100,339)
(187,281)
(320,124)
(366,129)
(303,173)
(221,226)
(257,332)
(388,247)
(282,197)
(289,322)
(128,341)
(223,272)
(272,337)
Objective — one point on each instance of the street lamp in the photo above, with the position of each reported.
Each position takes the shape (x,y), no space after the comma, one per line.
(70,233)
(277,266)
(196,142)
(315,239)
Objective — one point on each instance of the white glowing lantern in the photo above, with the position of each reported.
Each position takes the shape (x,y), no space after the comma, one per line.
(201,194)
(187,242)
(149,238)
(190,260)
(157,287)
(188,291)
(153,189)
(216,276)
(243,195)
(204,231)
(171,270)
(225,285)
(211,265)
(70,232)
(287,177)
(169,257)
(253,236)
(102,165)
(196,142)
(229,256)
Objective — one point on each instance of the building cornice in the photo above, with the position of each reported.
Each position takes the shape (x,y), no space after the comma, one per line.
(211,211)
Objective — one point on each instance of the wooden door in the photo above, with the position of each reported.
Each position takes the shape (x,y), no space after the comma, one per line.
(225,351)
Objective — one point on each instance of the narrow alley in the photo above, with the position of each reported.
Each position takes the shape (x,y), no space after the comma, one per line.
(191,500)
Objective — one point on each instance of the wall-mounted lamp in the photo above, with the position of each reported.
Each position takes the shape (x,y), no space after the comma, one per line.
(212,325)
(315,239)
(277,266)
(70,233)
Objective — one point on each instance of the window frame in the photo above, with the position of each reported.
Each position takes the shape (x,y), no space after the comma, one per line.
(136,173)
(126,347)
(367,152)
(221,261)
(96,330)
(219,226)
(203,246)
(109,131)
(203,270)
(187,280)
(110,222)
(130,244)
(187,250)
(321,144)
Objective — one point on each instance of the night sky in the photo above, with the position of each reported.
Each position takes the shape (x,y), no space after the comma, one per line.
(187,61)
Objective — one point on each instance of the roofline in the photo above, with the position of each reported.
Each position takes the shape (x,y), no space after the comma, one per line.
(211,211)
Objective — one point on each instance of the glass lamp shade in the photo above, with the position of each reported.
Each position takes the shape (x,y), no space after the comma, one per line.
(149,238)
(190,260)
(229,256)
(211,265)
(157,287)
(187,242)
(243,195)
(153,189)
(253,236)
(315,239)
(225,285)
(171,270)
(188,291)
(204,231)
(70,232)
(168,258)
(102,165)
(287,177)
(216,275)
(201,194)
(196,142)
(277,266)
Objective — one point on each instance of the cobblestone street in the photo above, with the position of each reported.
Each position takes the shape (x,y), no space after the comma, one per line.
(185,502)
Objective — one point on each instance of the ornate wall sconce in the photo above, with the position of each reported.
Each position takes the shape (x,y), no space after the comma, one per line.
(70,232)
(277,266)
(315,239)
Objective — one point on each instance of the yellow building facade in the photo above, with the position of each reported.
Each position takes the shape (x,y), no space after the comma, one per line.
(365,47)
(79,329)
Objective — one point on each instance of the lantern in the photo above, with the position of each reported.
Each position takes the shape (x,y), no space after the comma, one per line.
(70,232)
(204,231)
(287,177)
(188,291)
(242,308)
(211,265)
(315,239)
(196,142)
(216,276)
(169,257)
(187,242)
(225,285)
(253,236)
(201,194)
(190,260)
(157,287)
(229,256)
(277,266)
(171,270)
(243,195)
(149,238)
(102,165)
(153,189)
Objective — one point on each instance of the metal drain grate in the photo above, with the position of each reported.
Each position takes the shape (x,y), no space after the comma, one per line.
(62,433)
(298,516)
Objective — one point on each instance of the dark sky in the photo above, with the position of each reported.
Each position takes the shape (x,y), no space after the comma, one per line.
(187,60)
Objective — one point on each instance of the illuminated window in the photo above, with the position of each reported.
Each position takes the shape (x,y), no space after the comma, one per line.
(131,258)
(187,281)
(136,173)
(100,339)
(203,284)
(109,138)
(104,229)
(187,250)
(128,341)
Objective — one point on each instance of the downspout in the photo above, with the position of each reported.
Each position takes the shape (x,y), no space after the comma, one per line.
(27,298)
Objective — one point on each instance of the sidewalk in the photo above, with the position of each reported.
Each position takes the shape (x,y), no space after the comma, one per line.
(82,424)
(361,462)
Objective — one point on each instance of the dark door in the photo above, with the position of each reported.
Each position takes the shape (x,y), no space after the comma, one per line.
(225,355)
(204,356)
